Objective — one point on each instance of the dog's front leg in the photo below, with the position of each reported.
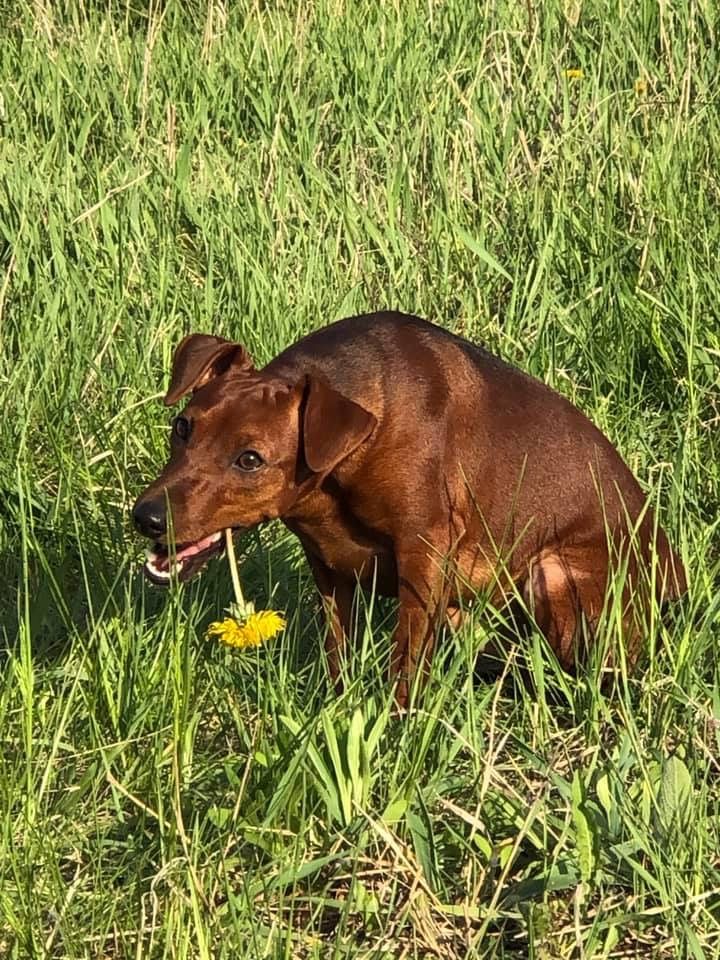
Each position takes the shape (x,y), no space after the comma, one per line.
(336,593)
(421,609)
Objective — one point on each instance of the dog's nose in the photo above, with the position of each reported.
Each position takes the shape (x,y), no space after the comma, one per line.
(149,517)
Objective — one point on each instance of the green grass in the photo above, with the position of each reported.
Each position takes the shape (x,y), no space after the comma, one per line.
(259,170)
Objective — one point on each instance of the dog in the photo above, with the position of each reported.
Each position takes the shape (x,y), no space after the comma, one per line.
(407,459)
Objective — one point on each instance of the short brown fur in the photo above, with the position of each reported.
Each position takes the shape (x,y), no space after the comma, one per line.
(408,458)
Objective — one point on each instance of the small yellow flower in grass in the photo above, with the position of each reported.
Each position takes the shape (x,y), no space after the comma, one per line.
(257,628)
(245,627)
(573,73)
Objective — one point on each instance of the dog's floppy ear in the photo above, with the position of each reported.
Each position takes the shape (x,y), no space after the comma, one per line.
(333,426)
(199,358)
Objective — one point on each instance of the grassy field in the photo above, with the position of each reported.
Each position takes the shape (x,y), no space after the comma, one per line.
(541,177)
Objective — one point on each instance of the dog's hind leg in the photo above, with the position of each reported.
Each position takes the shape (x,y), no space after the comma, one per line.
(564,593)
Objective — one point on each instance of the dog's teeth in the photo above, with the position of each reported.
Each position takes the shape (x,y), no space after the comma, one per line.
(163,565)
(152,566)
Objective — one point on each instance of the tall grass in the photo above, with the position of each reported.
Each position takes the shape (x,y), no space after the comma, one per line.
(258,170)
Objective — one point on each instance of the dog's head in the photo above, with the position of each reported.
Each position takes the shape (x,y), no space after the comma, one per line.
(246,448)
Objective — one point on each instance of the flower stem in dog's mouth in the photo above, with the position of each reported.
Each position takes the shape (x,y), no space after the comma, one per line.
(230,550)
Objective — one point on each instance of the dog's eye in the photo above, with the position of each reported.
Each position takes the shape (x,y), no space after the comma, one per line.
(181,428)
(249,460)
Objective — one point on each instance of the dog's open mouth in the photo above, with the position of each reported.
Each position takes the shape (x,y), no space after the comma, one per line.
(187,559)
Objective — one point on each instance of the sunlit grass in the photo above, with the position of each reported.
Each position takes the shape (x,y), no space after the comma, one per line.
(539,177)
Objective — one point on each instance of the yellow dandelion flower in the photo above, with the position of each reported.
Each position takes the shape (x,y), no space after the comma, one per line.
(251,633)
(573,73)
(245,627)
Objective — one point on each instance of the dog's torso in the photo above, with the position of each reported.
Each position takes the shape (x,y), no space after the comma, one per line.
(469,454)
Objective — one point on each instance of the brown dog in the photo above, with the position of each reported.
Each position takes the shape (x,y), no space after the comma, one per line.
(406,457)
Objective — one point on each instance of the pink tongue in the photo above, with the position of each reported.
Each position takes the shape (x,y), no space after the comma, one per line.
(192,548)
(162,562)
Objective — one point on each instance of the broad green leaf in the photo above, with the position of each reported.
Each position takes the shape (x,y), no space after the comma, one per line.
(354,748)
(395,810)
(341,782)
(584,839)
(674,793)
(602,788)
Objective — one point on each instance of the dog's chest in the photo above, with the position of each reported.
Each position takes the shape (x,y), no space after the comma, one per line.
(346,544)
